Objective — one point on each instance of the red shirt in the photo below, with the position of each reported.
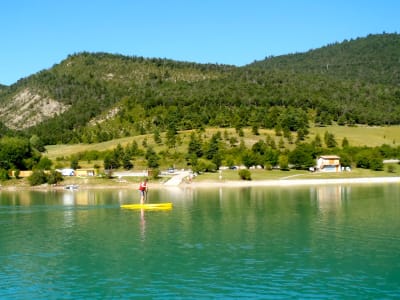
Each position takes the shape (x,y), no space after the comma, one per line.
(143,186)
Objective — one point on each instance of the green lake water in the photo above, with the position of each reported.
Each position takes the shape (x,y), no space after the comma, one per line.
(329,242)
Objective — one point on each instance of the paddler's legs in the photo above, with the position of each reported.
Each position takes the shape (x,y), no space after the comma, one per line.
(142,197)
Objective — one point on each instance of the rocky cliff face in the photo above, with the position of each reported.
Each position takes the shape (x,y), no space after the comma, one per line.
(28,108)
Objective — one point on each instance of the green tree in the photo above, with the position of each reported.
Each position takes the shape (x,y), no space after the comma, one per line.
(44,164)
(152,158)
(271,157)
(369,158)
(329,139)
(249,158)
(110,162)
(204,165)
(376,161)
(195,145)
(213,151)
(37,143)
(302,156)
(283,162)
(317,141)
(156,136)
(118,153)
(126,161)
(14,152)
(133,149)
(74,163)
(345,143)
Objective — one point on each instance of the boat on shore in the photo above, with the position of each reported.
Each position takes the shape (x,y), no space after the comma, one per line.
(71,187)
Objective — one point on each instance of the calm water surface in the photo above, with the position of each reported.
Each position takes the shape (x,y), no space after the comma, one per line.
(330,242)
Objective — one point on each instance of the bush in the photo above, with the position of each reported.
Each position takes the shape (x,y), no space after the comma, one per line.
(38,177)
(54,177)
(245,174)
(155,173)
(44,164)
(4,175)
(391,168)
(204,165)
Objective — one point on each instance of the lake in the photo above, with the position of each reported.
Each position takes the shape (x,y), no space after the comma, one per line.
(330,242)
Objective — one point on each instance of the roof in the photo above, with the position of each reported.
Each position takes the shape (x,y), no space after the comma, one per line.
(329,157)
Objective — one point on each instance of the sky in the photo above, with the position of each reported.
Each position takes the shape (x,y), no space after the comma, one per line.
(36,34)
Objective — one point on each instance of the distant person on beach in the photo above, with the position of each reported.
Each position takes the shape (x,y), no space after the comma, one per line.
(143,190)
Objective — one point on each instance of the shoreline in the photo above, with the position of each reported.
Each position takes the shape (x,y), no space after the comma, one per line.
(295,182)
(217,183)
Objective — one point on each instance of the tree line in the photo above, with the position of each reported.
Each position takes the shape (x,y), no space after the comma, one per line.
(200,154)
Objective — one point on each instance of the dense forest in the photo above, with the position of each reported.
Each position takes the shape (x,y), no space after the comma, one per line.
(374,59)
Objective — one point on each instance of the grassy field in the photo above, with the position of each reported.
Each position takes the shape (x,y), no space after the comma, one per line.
(259,174)
(362,135)
(357,136)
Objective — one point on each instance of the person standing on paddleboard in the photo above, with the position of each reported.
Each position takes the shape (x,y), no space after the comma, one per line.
(143,190)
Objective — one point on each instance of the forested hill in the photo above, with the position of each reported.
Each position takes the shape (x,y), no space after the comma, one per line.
(58,102)
(373,59)
(92,97)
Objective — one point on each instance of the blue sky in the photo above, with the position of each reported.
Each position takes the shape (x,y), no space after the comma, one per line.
(36,34)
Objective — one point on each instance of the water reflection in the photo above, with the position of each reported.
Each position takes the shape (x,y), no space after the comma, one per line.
(69,219)
(330,197)
(142,225)
(68,198)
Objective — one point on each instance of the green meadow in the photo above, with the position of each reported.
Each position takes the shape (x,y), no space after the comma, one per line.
(357,136)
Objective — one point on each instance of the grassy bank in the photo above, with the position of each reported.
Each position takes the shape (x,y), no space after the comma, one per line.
(258,174)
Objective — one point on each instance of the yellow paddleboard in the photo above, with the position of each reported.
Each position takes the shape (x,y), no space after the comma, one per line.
(149,206)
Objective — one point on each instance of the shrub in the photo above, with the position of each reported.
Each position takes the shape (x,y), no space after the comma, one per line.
(245,174)
(204,165)
(284,163)
(391,168)
(38,177)
(54,177)
(4,175)
(155,173)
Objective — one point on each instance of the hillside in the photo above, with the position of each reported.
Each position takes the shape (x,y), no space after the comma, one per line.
(373,59)
(95,97)
(79,89)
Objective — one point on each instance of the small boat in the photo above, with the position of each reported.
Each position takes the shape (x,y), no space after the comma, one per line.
(149,206)
(71,187)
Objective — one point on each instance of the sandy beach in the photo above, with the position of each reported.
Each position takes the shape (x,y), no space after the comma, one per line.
(218,183)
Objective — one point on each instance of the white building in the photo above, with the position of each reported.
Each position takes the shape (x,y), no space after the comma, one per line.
(328,163)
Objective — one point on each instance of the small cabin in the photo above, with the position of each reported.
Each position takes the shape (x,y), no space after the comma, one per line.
(328,163)
(85,172)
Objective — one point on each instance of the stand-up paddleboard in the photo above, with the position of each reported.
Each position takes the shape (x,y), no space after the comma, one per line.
(149,206)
